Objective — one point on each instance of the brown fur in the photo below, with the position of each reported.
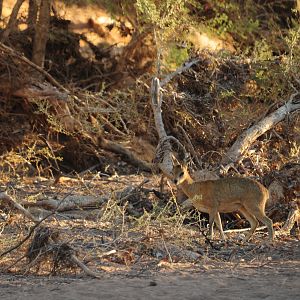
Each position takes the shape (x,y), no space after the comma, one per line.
(226,195)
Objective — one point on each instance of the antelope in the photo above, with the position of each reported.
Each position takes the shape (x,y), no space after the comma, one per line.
(226,195)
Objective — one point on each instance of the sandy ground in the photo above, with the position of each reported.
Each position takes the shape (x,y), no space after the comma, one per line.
(279,281)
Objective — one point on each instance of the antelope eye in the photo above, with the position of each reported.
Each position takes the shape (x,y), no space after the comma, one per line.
(181,174)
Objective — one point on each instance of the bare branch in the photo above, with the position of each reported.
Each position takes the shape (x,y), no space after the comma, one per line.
(12,52)
(184,67)
(5,197)
(293,217)
(12,20)
(245,140)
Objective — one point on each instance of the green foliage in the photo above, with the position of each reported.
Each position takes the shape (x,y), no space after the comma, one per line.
(227,94)
(240,21)
(148,11)
(292,40)
(176,56)
(221,24)
(166,17)
(262,51)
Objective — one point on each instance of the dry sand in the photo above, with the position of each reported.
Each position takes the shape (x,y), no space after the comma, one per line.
(279,281)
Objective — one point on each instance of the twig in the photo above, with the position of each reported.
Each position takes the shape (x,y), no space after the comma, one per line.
(111,126)
(208,240)
(52,152)
(34,227)
(245,140)
(27,237)
(90,169)
(191,147)
(27,61)
(166,248)
(293,217)
(243,229)
(81,265)
(8,198)
(184,67)
(91,258)
(14,263)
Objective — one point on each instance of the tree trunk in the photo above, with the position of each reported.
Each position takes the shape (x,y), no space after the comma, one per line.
(1,5)
(32,14)
(41,33)
(12,19)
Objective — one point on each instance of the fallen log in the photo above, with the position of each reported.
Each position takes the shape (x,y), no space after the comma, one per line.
(71,202)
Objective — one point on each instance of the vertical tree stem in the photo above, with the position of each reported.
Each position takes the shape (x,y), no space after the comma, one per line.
(41,33)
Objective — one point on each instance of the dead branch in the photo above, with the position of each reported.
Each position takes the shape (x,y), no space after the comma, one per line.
(46,244)
(32,229)
(245,140)
(293,217)
(58,99)
(26,238)
(165,163)
(111,126)
(184,67)
(82,266)
(125,153)
(19,56)
(175,251)
(71,202)
(5,197)
(12,20)
(244,229)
